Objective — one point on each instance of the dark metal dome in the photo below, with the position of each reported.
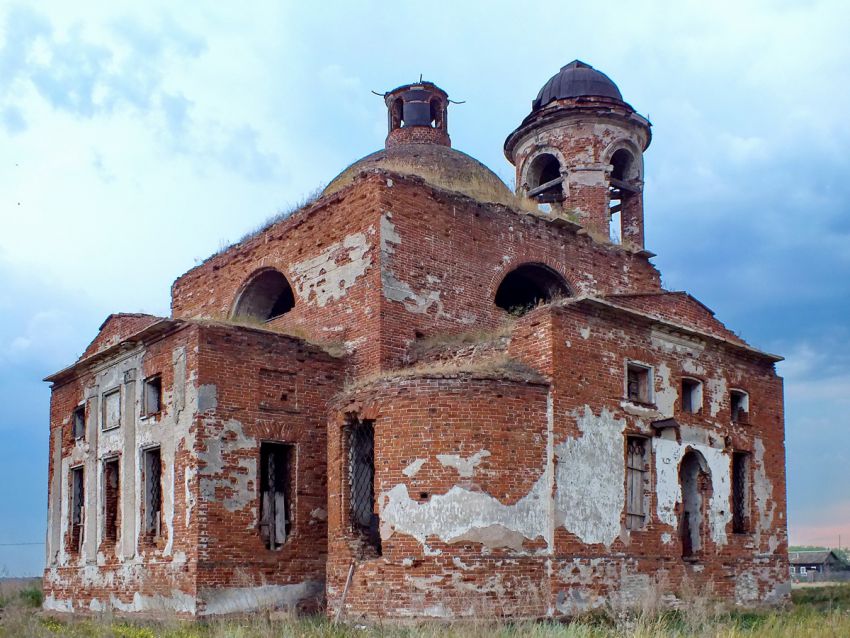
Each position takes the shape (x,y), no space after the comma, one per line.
(576,79)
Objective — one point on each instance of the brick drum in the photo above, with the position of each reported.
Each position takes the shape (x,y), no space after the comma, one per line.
(423,395)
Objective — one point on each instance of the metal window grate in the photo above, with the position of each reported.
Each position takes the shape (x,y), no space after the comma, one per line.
(635,475)
(153,492)
(361,480)
(77,501)
(740,489)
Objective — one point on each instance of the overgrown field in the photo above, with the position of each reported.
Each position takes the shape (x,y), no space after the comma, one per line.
(816,612)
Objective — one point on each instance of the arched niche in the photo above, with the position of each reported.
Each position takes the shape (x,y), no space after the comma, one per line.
(528,286)
(266,295)
(695,482)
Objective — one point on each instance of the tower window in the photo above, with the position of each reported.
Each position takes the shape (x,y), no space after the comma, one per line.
(528,286)
(78,422)
(619,191)
(361,482)
(740,492)
(739,402)
(152,396)
(275,493)
(638,383)
(152,481)
(691,396)
(635,482)
(267,296)
(544,179)
(111,491)
(77,509)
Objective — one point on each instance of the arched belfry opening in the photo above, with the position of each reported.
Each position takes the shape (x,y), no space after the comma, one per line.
(266,296)
(544,179)
(695,482)
(621,192)
(528,286)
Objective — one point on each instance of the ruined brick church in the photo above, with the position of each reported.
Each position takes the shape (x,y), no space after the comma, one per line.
(424,395)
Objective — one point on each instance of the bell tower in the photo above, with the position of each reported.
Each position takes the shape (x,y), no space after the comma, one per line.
(417,114)
(580,150)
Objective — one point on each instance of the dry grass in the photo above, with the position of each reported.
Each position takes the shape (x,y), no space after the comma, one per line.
(335,349)
(498,367)
(459,340)
(815,613)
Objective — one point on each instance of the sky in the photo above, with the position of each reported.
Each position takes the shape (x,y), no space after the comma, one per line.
(138,138)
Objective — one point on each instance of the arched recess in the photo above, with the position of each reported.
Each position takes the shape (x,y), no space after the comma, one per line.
(530,285)
(266,295)
(623,186)
(695,482)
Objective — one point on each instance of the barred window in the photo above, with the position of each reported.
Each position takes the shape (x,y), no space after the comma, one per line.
(152,468)
(111,492)
(740,492)
(635,482)
(77,508)
(275,489)
(361,482)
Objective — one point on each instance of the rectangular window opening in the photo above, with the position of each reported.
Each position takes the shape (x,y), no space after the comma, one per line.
(77,508)
(152,481)
(638,383)
(152,396)
(361,483)
(740,406)
(111,496)
(112,409)
(276,464)
(740,492)
(635,482)
(79,422)
(615,217)
(691,396)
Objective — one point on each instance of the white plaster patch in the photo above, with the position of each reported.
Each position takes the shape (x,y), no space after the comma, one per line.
(717,391)
(393,288)
(230,600)
(329,275)
(414,467)
(588,507)
(465,466)
(212,474)
(666,391)
(666,538)
(584,332)
(763,493)
(668,456)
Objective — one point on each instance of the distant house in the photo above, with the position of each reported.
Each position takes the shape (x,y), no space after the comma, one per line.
(805,564)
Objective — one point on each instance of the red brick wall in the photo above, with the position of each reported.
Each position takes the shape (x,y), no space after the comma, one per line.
(267,388)
(418,419)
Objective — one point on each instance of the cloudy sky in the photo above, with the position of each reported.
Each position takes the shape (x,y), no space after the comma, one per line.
(137,138)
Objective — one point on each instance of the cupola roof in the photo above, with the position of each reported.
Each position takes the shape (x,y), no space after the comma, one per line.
(576,79)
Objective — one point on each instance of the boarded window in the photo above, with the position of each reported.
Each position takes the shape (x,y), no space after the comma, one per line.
(152,396)
(152,469)
(635,482)
(740,492)
(739,403)
(691,396)
(77,508)
(111,492)
(79,422)
(276,461)
(361,480)
(112,409)
(638,383)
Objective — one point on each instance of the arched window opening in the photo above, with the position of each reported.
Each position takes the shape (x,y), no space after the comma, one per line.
(695,482)
(267,296)
(618,192)
(396,114)
(436,113)
(544,179)
(528,286)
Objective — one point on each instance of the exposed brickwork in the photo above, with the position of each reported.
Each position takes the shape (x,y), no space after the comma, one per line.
(567,448)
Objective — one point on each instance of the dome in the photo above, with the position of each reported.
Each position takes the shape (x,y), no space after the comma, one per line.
(576,79)
(441,166)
